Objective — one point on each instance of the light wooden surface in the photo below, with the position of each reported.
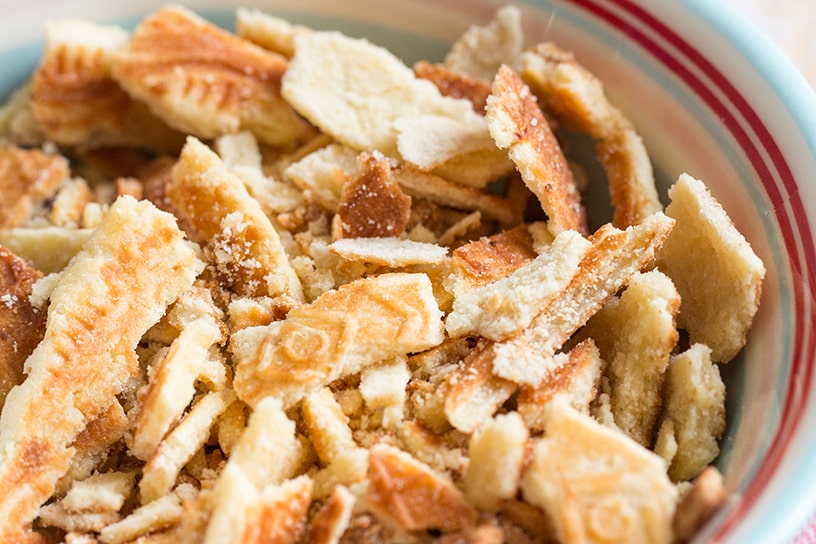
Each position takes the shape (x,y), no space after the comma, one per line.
(789,23)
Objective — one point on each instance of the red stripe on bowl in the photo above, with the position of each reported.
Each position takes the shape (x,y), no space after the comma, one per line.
(802,368)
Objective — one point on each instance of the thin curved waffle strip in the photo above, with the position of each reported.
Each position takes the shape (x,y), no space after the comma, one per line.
(574,97)
(517,124)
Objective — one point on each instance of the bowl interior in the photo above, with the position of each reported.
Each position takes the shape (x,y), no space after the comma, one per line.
(708,101)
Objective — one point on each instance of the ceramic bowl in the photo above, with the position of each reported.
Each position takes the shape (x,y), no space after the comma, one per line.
(711,97)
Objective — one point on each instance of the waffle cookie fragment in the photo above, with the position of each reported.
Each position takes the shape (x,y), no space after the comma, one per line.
(593,499)
(516,123)
(204,81)
(76,100)
(95,319)
(27,179)
(720,297)
(338,334)
(574,97)
(23,323)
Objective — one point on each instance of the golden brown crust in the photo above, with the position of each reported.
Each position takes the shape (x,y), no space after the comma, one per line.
(372,205)
(631,181)
(22,324)
(102,431)
(569,92)
(94,443)
(205,81)
(615,256)
(455,85)
(576,379)
(246,247)
(398,394)
(508,305)
(411,494)
(72,93)
(78,103)
(134,265)
(488,259)
(517,124)
(71,105)
(27,178)
(575,98)
(582,475)
(342,331)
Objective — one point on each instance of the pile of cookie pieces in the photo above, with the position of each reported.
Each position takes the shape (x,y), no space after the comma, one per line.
(277,286)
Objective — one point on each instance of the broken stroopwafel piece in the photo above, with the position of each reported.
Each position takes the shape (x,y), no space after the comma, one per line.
(340,333)
(27,179)
(715,269)
(517,124)
(133,266)
(204,81)
(76,100)
(575,98)
(23,324)
(596,484)
(404,490)
(245,246)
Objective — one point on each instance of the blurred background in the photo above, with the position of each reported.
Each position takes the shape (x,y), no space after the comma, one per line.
(791,24)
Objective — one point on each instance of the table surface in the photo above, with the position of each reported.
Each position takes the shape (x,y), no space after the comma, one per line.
(791,24)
